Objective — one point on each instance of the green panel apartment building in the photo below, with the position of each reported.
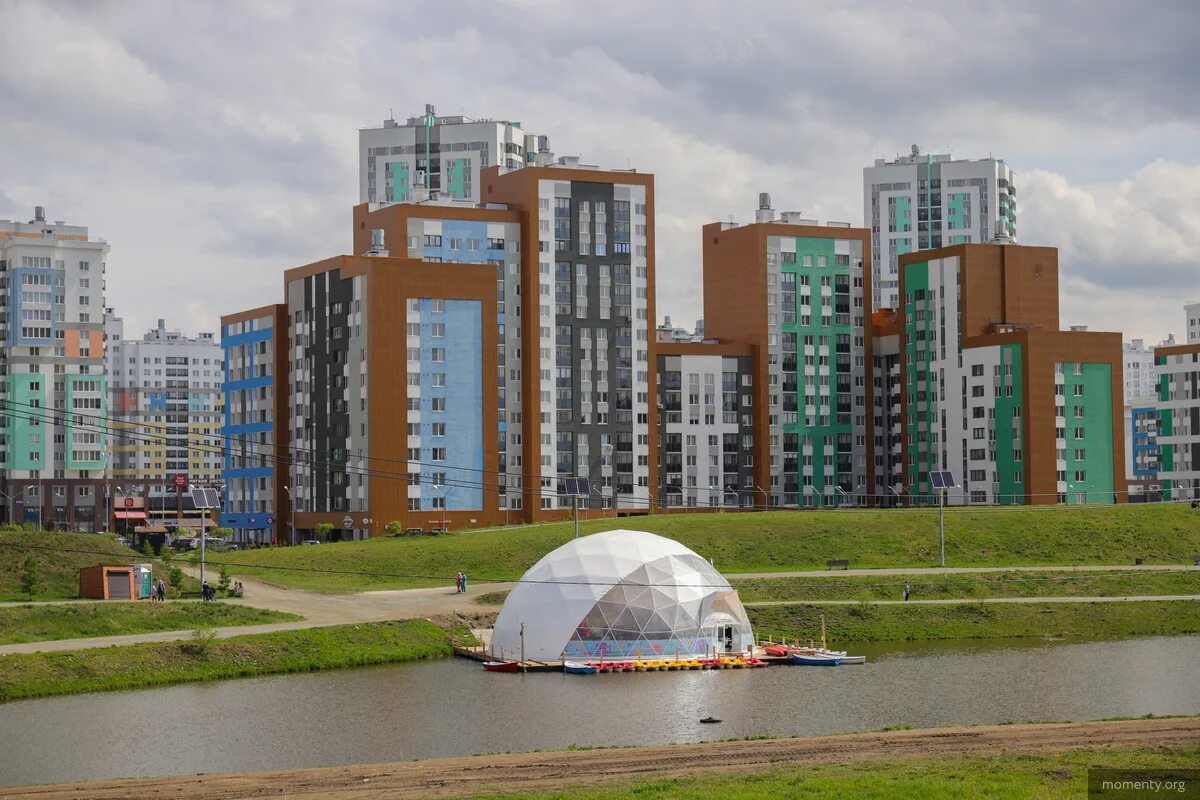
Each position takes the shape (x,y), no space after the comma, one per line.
(992,391)
(796,292)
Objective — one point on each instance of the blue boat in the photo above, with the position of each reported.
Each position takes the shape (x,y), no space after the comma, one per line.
(579,668)
(816,660)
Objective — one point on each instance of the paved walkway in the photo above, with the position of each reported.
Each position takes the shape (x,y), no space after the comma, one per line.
(339,609)
(960,601)
(317,609)
(834,573)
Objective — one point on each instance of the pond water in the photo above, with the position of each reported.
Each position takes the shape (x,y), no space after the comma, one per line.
(453,707)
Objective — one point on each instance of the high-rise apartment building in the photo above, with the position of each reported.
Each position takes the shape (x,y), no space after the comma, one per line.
(705,425)
(1192,312)
(166,407)
(1177,367)
(52,382)
(797,293)
(1141,418)
(587,309)
(922,201)
(393,393)
(438,154)
(257,457)
(994,392)
(456,231)
(1179,421)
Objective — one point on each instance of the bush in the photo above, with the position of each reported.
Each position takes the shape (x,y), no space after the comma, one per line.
(394,528)
(30,579)
(323,529)
(222,533)
(175,579)
(200,644)
(49,526)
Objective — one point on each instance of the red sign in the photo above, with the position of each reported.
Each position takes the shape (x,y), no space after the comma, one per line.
(180,481)
(129,502)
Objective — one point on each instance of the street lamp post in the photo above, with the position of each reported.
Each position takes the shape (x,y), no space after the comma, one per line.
(10,500)
(766,503)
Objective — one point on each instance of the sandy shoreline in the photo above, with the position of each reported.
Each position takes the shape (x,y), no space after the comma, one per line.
(452,777)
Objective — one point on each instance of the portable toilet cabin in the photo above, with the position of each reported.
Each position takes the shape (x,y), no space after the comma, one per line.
(108,582)
(144,581)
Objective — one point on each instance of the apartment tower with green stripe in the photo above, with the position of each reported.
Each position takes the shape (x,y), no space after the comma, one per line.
(796,292)
(993,391)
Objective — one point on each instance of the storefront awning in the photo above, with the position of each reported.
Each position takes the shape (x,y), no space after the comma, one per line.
(131,514)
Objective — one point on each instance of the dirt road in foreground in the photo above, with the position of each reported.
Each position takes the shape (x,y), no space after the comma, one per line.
(528,772)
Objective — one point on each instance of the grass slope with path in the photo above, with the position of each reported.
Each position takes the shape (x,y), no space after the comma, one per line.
(58,559)
(40,623)
(30,675)
(999,777)
(756,542)
(954,586)
(875,623)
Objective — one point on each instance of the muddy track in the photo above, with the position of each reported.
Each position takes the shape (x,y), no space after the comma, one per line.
(527,772)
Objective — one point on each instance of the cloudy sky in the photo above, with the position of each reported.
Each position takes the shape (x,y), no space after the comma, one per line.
(214,144)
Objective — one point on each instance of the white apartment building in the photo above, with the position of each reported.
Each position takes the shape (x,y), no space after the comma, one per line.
(167,406)
(922,201)
(52,383)
(429,153)
(1192,310)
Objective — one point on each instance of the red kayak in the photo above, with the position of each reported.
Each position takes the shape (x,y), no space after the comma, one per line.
(502,666)
(776,650)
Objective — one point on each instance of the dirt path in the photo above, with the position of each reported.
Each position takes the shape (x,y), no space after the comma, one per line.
(529,772)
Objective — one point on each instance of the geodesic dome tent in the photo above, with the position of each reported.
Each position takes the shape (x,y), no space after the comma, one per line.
(621,594)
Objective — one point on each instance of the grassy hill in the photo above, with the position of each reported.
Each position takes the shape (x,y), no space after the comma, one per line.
(58,566)
(763,542)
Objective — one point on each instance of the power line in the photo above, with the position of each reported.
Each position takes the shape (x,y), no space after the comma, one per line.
(406,477)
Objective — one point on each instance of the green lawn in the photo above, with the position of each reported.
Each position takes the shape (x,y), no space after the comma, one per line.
(59,557)
(132,666)
(33,623)
(1050,583)
(997,777)
(1002,584)
(875,623)
(757,542)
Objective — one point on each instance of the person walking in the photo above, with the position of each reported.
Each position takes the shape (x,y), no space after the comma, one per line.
(458,580)
(161,588)
(906,590)
(464,582)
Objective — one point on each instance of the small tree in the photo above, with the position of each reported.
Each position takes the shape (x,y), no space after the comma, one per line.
(394,528)
(222,533)
(175,579)
(323,529)
(30,578)
(147,549)
(223,581)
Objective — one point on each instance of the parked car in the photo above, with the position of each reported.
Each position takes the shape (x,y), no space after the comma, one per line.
(311,541)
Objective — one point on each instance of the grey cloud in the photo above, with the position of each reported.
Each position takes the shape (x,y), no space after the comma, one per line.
(221,136)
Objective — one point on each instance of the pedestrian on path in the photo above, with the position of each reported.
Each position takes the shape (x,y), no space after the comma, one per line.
(464,582)
(161,588)
(458,583)
(906,591)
